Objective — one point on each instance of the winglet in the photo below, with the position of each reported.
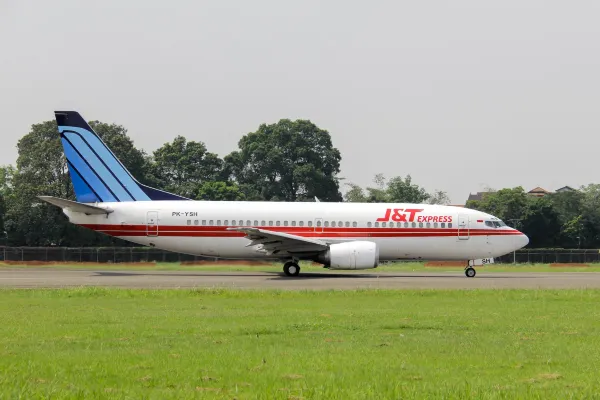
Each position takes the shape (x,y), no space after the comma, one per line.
(75,206)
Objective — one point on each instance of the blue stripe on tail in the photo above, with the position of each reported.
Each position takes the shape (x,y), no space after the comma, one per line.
(96,173)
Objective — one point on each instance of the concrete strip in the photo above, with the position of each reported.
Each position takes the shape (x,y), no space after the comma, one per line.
(57,278)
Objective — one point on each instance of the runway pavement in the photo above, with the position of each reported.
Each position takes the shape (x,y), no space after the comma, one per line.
(57,278)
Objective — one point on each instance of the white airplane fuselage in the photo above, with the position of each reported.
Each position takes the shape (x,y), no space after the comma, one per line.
(401,231)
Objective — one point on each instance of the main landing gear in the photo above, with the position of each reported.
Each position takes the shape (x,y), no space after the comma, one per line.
(469,271)
(291,268)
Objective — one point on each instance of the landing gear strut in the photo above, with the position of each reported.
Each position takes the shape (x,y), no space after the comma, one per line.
(470,272)
(291,268)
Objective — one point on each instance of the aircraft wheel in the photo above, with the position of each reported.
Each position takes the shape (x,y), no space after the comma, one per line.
(470,272)
(290,268)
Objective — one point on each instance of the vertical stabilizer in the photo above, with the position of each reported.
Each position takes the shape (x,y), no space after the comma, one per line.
(96,173)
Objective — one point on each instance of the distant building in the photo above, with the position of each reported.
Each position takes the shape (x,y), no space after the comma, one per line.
(565,189)
(477,196)
(538,192)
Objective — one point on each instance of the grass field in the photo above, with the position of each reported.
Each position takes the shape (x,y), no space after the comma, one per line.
(179,344)
(309,267)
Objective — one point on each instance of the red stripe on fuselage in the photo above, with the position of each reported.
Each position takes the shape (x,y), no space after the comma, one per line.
(221,231)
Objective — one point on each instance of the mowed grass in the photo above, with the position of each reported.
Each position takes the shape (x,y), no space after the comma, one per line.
(223,266)
(368,344)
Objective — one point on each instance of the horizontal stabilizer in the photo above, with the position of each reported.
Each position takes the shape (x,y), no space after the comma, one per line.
(75,206)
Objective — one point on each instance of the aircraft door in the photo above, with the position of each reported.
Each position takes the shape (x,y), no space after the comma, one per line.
(152,223)
(318,225)
(463,227)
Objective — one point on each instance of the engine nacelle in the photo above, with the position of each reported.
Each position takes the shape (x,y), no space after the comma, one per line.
(350,255)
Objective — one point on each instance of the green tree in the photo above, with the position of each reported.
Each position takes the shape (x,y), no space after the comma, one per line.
(402,190)
(540,222)
(182,167)
(396,190)
(439,197)
(590,216)
(506,204)
(220,191)
(287,161)
(568,206)
(355,194)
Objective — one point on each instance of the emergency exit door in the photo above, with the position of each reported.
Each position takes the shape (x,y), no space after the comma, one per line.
(152,223)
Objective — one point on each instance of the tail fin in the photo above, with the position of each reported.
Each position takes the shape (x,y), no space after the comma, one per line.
(97,175)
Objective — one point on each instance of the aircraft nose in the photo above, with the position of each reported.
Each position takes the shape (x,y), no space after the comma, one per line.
(521,240)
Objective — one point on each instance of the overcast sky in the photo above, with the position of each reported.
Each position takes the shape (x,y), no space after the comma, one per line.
(460,94)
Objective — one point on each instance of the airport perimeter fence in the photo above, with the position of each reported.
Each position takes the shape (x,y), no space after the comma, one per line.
(149,254)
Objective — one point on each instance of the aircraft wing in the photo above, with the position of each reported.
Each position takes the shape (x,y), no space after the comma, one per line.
(279,243)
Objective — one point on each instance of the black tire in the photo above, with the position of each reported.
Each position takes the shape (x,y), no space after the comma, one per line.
(291,269)
(470,272)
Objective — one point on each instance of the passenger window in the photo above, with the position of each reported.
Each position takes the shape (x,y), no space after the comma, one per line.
(326,223)
(270,223)
(414,224)
(293,223)
(196,222)
(262,223)
(278,223)
(189,221)
(255,223)
(435,224)
(383,224)
(340,224)
(203,222)
(369,224)
(318,223)
(429,225)
(333,224)
(211,222)
(376,224)
(301,223)
(420,224)
(218,222)
(309,223)
(226,222)
(391,224)
(443,224)
(449,224)
(354,224)
(406,224)
(284,223)
(248,223)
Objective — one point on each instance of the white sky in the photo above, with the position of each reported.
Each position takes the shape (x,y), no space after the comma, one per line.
(461,95)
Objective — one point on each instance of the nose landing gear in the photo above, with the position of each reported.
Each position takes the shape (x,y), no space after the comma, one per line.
(470,271)
(291,268)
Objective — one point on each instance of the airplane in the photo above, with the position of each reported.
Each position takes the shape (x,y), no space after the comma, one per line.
(340,236)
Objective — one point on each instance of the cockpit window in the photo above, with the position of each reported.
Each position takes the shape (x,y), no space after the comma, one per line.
(495,224)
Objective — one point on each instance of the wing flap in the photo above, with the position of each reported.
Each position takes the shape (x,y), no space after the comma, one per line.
(272,242)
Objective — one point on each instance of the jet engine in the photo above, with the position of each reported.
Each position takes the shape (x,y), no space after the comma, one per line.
(350,255)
